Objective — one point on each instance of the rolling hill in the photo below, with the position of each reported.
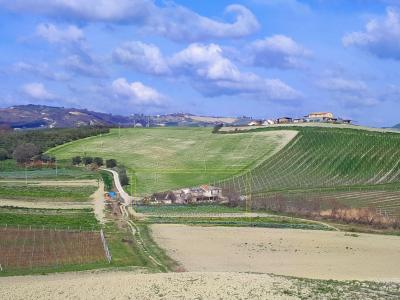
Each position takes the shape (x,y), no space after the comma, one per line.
(357,167)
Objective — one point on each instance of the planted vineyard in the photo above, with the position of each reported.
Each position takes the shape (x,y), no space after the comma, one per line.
(357,161)
(48,248)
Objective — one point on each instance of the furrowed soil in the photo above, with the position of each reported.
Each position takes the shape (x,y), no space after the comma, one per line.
(309,254)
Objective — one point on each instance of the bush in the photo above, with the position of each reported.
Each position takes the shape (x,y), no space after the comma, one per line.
(123,177)
(76,160)
(98,161)
(3,154)
(24,153)
(87,160)
(111,163)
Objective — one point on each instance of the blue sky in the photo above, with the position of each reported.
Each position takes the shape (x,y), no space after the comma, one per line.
(263,58)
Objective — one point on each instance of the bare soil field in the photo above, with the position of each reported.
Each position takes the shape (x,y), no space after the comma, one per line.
(309,254)
(134,284)
(34,203)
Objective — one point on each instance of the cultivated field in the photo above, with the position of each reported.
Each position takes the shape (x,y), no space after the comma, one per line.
(167,158)
(343,159)
(24,248)
(310,254)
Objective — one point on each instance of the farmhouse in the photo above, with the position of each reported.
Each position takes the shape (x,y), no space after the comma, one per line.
(284,120)
(255,123)
(204,193)
(320,117)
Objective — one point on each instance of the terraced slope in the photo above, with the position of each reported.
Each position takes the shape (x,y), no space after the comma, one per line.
(167,158)
(320,158)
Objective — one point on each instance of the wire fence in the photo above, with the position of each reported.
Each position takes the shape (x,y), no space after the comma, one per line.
(23,247)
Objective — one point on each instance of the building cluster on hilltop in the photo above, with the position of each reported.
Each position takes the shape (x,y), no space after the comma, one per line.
(315,117)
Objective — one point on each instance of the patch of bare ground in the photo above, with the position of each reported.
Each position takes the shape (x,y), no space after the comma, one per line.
(302,253)
(44,204)
(98,203)
(191,285)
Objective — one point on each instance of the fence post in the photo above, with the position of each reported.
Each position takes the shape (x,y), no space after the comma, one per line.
(105,246)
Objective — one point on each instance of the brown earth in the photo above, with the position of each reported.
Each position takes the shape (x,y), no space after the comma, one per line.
(302,253)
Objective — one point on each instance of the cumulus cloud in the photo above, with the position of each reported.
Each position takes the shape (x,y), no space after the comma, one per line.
(145,58)
(37,91)
(136,93)
(278,51)
(54,34)
(165,20)
(209,71)
(380,38)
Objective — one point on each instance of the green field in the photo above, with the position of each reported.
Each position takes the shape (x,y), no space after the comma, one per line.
(357,167)
(168,158)
(48,218)
(45,193)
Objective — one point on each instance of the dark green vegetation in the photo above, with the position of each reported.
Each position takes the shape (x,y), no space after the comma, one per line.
(107,179)
(52,193)
(49,218)
(187,209)
(318,158)
(45,139)
(263,222)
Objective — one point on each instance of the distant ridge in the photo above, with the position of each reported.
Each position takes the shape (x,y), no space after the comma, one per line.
(33,116)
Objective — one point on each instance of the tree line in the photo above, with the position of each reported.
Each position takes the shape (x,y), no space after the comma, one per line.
(25,146)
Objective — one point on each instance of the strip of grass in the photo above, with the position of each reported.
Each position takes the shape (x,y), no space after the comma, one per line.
(53,218)
(187,209)
(123,247)
(263,222)
(13,191)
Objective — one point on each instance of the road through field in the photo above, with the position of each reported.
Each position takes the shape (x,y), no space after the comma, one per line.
(302,253)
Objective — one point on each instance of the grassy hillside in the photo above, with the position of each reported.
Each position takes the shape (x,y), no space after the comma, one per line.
(167,158)
(343,160)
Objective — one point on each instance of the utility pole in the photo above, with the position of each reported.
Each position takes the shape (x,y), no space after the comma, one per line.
(26,174)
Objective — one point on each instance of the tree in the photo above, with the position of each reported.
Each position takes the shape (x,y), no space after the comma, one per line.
(23,153)
(123,177)
(87,160)
(76,160)
(3,154)
(111,163)
(98,161)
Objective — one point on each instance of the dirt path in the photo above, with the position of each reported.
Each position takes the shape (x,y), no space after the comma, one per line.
(124,195)
(98,203)
(302,253)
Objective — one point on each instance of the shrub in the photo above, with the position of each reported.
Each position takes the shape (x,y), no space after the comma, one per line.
(3,154)
(76,160)
(24,153)
(98,161)
(123,177)
(111,163)
(87,160)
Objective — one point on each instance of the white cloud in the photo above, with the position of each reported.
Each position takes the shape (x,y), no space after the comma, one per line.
(145,58)
(37,91)
(342,85)
(278,51)
(205,67)
(136,93)
(55,35)
(83,64)
(41,69)
(173,21)
(214,75)
(381,36)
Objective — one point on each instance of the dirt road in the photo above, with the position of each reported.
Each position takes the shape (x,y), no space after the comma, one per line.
(53,182)
(98,203)
(124,195)
(302,253)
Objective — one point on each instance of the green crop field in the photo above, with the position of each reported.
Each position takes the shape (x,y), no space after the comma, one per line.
(340,159)
(168,158)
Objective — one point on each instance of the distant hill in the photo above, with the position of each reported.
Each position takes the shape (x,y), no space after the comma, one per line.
(40,116)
